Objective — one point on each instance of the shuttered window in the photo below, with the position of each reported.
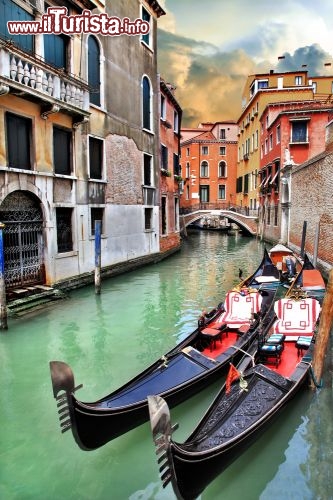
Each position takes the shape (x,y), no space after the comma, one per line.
(146,104)
(146,17)
(55,50)
(62,151)
(10,11)
(18,131)
(94,79)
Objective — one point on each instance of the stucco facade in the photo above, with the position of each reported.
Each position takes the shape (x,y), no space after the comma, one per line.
(170,172)
(209,162)
(87,134)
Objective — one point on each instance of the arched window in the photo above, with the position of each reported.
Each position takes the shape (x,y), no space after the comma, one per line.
(222,169)
(146,103)
(204,169)
(94,77)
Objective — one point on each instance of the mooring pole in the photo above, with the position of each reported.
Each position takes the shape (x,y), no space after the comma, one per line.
(303,239)
(316,245)
(325,325)
(3,304)
(98,229)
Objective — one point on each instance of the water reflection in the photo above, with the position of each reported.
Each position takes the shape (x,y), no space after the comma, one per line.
(107,340)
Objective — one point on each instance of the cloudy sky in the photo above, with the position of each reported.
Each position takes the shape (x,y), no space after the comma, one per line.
(208,48)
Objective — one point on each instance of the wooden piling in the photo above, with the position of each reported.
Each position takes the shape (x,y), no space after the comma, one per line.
(303,239)
(98,230)
(3,303)
(325,325)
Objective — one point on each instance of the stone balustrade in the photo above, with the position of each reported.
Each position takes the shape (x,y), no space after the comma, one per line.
(39,78)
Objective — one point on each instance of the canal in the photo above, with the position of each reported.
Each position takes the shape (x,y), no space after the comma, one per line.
(107,339)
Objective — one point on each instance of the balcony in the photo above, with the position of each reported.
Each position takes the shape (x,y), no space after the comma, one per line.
(32,78)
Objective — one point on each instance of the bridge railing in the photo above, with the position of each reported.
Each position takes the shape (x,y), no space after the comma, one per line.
(218,206)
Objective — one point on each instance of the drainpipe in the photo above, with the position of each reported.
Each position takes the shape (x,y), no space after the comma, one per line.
(3,304)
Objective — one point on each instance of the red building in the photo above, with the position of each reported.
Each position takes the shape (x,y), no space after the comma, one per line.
(170,173)
(291,132)
(208,165)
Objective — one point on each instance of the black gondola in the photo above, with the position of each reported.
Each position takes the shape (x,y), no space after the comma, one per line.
(189,367)
(243,409)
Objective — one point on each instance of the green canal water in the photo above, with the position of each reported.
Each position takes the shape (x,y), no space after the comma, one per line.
(107,340)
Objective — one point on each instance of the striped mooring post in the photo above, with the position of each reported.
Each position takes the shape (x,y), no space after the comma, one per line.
(98,230)
(3,303)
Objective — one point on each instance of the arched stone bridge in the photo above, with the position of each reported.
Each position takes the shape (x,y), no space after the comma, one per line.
(245,222)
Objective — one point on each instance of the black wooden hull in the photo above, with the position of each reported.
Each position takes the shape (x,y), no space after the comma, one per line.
(195,468)
(176,376)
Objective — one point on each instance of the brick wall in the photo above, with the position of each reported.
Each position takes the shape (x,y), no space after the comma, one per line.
(312,201)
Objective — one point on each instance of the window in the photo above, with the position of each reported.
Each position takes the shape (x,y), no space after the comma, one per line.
(187,192)
(96,214)
(55,50)
(148,218)
(222,169)
(246,183)
(298,80)
(239,184)
(187,170)
(62,151)
(204,194)
(146,17)
(146,103)
(268,215)
(266,146)
(163,107)
(270,142)
(314,86)
(164,214)
(204,169)
(164,157)
(256,140)
(18,141)
(176,166)
(222,133)
(222,192)
(276,211)
(147,173)
(278,134)
(222,150)
(176,214)
(299,131)
(94,76)
(187,151)
(64,229)
(176,122)
(10,11)
(95,158)
(262,84)
(204,150)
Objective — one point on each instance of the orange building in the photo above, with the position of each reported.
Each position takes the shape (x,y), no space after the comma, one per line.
(292,132)
(170,174)
(260,91)
(208,165)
